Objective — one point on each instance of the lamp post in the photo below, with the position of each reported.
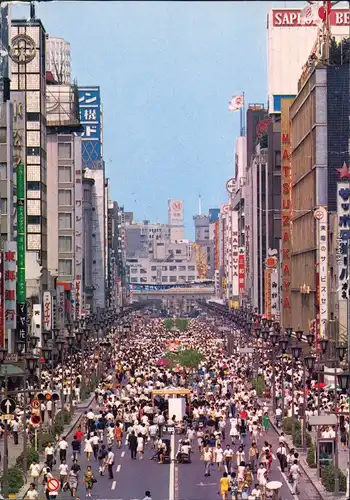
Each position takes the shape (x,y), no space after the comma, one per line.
(31,364)
(283,343)
(60,346)
(274,340)
(70,340)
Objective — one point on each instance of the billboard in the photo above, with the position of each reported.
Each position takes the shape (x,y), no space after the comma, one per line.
(175,213)
(321,216)
(90,118)
(290,43)
(47,304)
(214,215)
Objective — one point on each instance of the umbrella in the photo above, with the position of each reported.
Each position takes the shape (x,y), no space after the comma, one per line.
(320,385)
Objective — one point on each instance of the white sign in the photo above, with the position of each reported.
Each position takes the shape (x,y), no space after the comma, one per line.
(343,215)
(321,217)
(224,209)
(175,212)
(36,321)
(231,186)
(10,283)
(47,309)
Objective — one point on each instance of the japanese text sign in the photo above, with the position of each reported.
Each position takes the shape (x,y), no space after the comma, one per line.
(10,283)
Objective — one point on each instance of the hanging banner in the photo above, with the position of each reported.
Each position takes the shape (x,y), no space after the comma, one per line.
(22,322)
(321,217)
(10,272)
(268,293)
(47,305)
(37,321)
(235,277)
(77,299)
(241,271)
(286,214)
(60,306)
(2,317)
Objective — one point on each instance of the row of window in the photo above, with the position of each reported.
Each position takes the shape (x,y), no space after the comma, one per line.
(165,279)
(134,270)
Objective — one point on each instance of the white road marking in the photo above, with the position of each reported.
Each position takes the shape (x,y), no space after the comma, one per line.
(123,453)
(114,484)
(172,469)
(287,483)
(118,468)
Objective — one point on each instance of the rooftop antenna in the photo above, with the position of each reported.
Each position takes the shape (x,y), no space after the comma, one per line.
(32,10)
(199,205)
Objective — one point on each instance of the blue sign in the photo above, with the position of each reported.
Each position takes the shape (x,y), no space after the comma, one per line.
(214,214)
(90,118)
(277,102)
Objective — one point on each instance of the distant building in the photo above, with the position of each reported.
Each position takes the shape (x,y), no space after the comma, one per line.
(58,59)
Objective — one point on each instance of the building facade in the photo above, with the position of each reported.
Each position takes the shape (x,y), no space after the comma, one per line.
(58,59)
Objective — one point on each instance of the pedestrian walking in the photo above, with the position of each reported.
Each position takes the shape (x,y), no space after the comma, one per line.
(110,463)
(89,480)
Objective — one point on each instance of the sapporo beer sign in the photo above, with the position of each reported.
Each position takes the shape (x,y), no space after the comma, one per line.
(292,18)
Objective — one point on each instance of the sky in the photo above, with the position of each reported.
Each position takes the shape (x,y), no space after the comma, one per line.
(167,71)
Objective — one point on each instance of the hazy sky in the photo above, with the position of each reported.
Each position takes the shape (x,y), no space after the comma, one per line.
(167,71)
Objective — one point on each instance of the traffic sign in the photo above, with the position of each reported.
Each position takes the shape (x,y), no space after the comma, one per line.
(35,420)
(8,406)
(35,404)
(53,484)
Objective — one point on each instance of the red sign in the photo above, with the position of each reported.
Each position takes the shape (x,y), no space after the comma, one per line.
(35,404)
(241,271)
(53,484)
(2,309)
(284,18)
(77,299)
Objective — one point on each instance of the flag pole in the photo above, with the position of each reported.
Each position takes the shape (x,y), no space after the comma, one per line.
(242,113)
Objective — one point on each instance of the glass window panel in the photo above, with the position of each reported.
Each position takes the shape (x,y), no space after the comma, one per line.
(65,197)
(65,243)
(64,221)
(64,174)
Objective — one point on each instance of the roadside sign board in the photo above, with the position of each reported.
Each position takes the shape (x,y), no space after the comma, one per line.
(53,484)
(35,420)
(35,404)
(8,406)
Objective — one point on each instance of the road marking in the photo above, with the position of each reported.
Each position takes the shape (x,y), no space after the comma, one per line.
(287,483)
(172,468)
(114,484)
(123,453)
(118,468)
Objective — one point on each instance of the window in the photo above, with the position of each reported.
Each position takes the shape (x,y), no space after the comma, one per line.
(133,280)
(178,252)
(191,278)
(64,197)
(3,206)
(172,268)
(3,171)
(154,278)
(153,268)
(172,279)
(182,268)
(64,221)
(143,280)
(65,243)
(164,279)
(65,267)
(191,268)
(182,278)
(133,270)
(64,150)
(64,174)
(143,271)
(164,268)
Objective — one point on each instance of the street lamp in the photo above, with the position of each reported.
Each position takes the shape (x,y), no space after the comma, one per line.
(46,336)
(56,332)
(70,340)
(310,363)
(265,334)
(257,329)
(310,337)
(299,334)
(324,345)
(31,362)
(34,341)
(341,350)
(296,352)
(47,351)
(283,345)
(79,336)
(344,383)
(20,346)
(289,332)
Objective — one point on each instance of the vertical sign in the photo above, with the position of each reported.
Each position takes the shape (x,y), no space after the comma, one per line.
(36,322)
(47,303)
(10,269)
(21,254)
(2,317)
(268,293)
(235,277)
(60,306)
(241,271)
(90,118)
(321,217)
(78,289)
(343,214)
(286,213)
(275,296)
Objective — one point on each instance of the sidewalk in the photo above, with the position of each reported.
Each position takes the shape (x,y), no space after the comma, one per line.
(68,429)
(311,474)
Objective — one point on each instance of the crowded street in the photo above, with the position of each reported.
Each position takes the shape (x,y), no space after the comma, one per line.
(119,449)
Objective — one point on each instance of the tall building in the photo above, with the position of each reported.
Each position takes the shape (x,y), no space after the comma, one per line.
(289,47)
(58,59)
(176,220)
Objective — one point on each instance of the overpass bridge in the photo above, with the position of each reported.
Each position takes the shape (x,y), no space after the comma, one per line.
(174,294)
